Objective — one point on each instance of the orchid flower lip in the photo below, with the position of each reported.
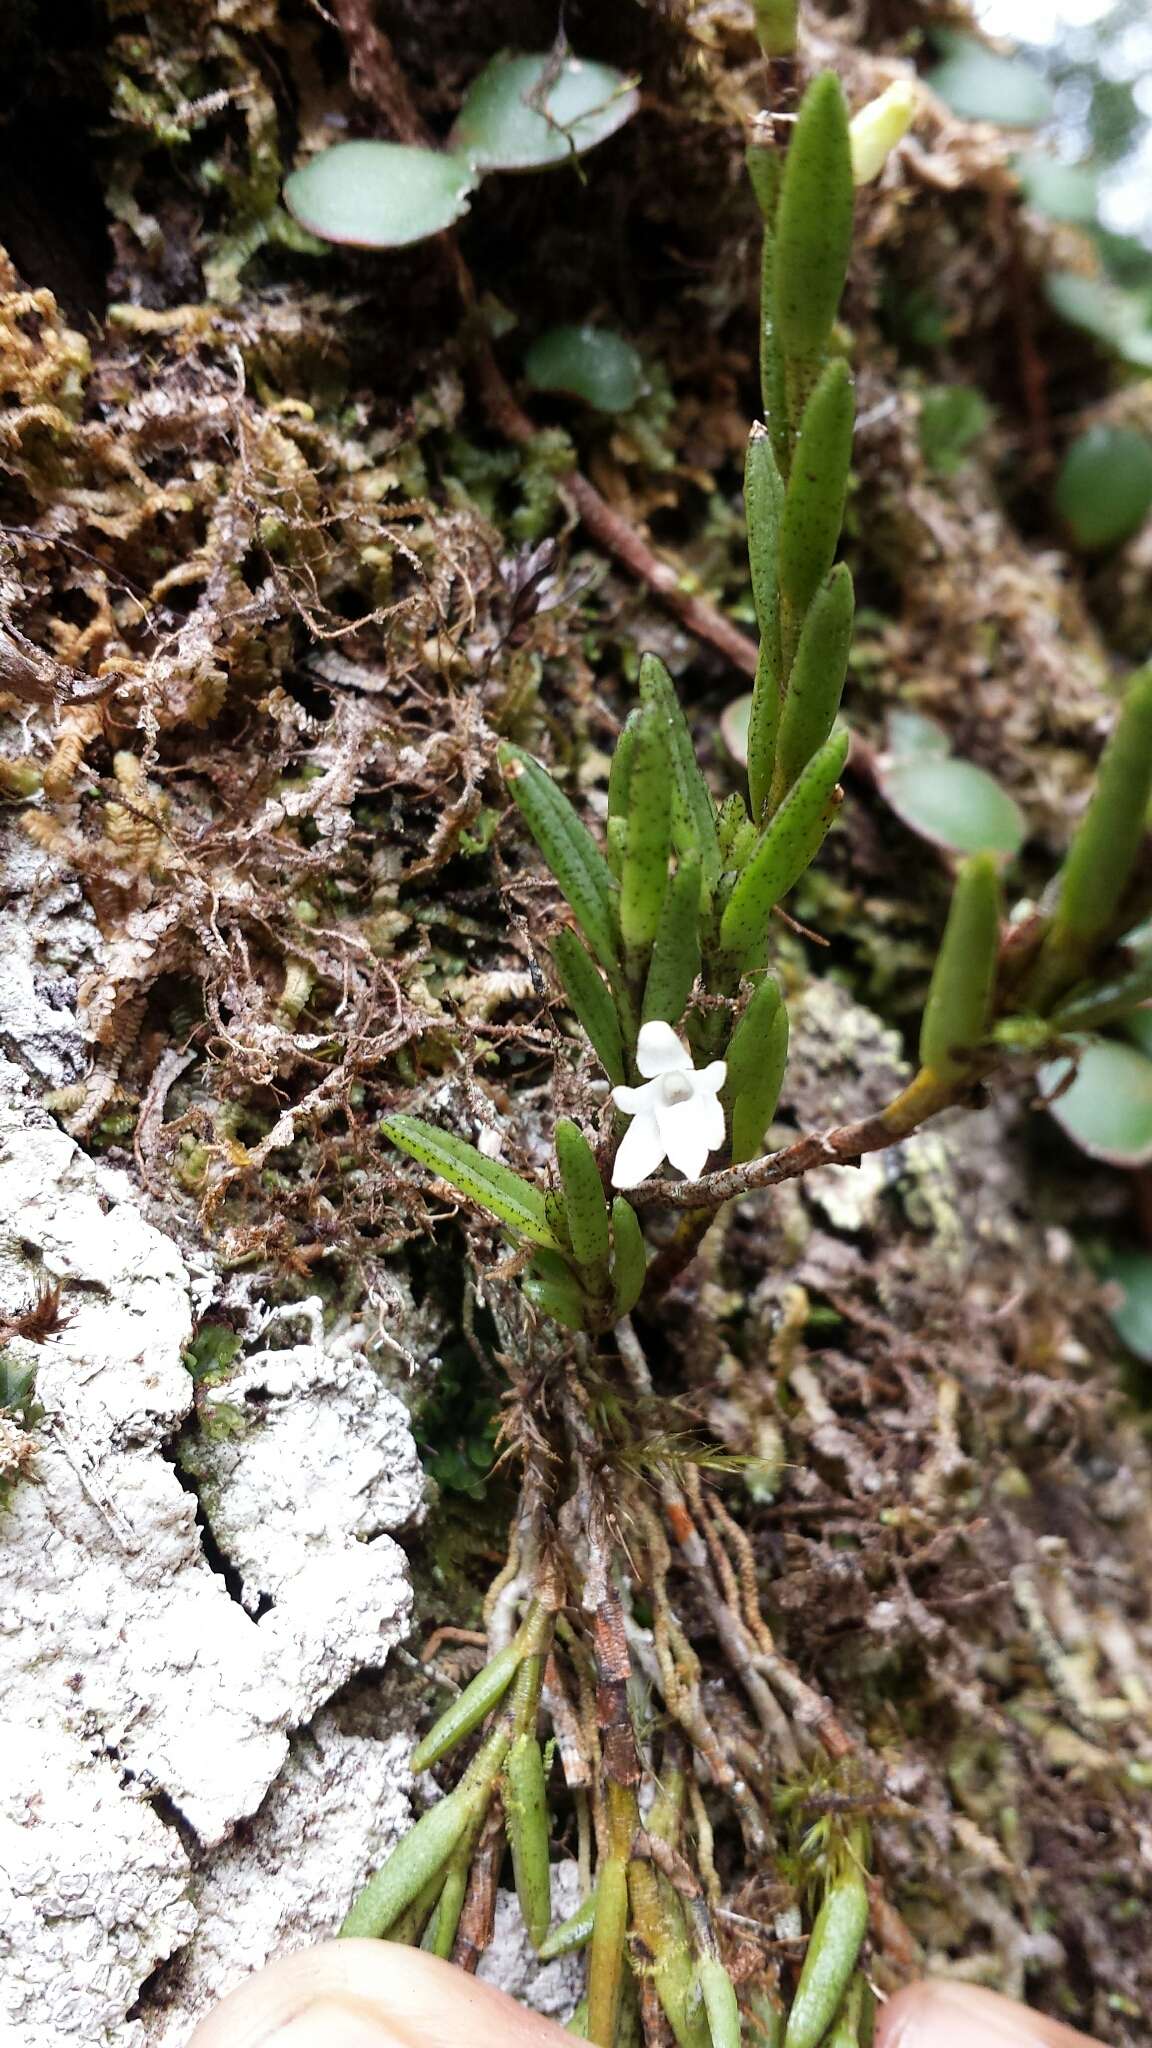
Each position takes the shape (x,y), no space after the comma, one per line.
(676,1113)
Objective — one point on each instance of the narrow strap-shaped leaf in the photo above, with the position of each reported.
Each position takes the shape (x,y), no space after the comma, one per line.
(816,678)
(763,506)
(606,1951)
(833,1947)
(629,1257)
(484,1181)
(814,500)
(644,872)
(773,379)
(619,776)
(572,1934)
(526,1814)
(757,1057)
(580,870)
(959,1006)
(763,729)
(694,815)
(764,166)
(557,1295)
(470,1707)
(1089,1007)
(1103,852)
(720,2003)
(584,1201)
(591,1002)
(814,220)
(425,1849)
(788,846)
(440,1933)
(676,950)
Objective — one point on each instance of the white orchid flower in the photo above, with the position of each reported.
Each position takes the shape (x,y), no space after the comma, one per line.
(675,1115)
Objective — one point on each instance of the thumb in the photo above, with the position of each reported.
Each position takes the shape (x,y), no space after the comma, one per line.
(942,2014)
(371,1994)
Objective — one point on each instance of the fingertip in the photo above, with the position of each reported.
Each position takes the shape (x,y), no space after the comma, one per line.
(370,1994)
(941,2014)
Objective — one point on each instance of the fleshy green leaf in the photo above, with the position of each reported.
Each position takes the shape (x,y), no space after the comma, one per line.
(953,804)
(814,500)
(582,873)
(959,1006)
(591,1003)
(648,836)
(675,959)
(379,195)
(757,1057)
(591,363)
(693,813)
(1116,317)
(555,1293)
(470,1707)
(763,506)
(484,1181)
(1107,1109)
(1104,489)
(816,678)
(584,1202)
(1062,191)
(813,232)
(1103,852)
(629,1257)
(755,729)
(524,112)
(789,845)
(980,85)
(1132,1320)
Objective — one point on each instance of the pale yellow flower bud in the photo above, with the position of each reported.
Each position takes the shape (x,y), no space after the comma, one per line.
(878,127)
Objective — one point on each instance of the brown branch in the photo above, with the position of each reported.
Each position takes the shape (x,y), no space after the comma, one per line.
(378,79)
(844,1145)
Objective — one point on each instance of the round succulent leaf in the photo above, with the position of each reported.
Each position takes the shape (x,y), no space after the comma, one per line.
(1104,489)
(1063,191)
(981,85)
(953,804)
(734,723)
(1107,1107)
(1131,1273)
(1116,317)
(588,362)
(911,735)
(524,112)
(379,195)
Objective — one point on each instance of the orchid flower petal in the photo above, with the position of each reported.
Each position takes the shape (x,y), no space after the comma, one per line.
(659,1051)
(641,1151)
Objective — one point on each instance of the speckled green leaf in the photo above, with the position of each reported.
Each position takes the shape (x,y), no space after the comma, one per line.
(757,1057)
(584,1202)
(763,507)
(483,1181)
(693,813)
(582,873)
(629,1257)
(816,678)
(833,1947)
(814,220)
(591,1002)
(1103,852)
(814,500)
(675,959)
(789,845)
(648,839)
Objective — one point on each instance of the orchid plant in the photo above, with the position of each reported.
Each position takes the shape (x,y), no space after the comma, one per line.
(665,965)
(668,967)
